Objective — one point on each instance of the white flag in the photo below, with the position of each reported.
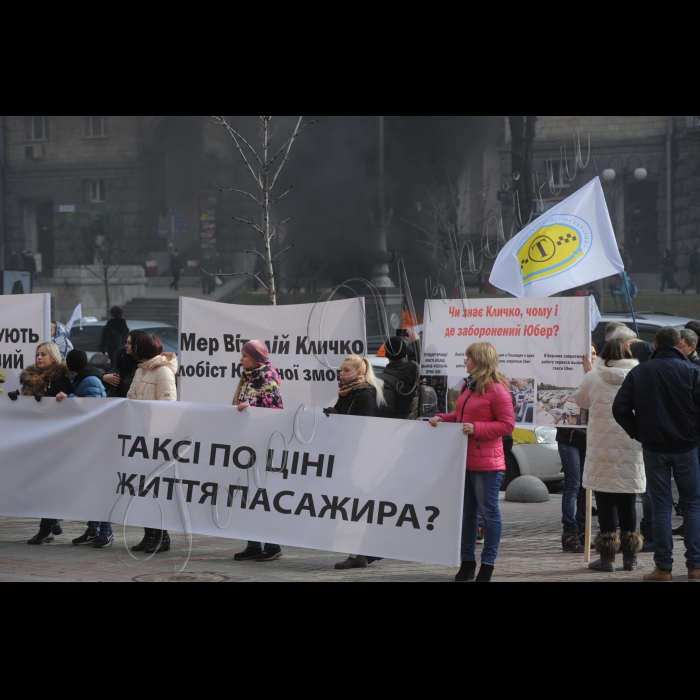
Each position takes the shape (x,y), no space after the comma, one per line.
(570,245)
(77,315)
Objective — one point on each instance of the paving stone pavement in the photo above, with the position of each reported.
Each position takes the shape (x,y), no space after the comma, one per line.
(530,551)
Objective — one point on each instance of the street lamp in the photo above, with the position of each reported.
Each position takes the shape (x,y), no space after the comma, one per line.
(640,172)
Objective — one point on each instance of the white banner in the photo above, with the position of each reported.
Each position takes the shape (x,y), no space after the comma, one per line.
(540,343)
(307,344)
(25,321)
(374,486)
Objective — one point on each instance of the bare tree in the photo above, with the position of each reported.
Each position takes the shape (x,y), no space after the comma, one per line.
(264,168)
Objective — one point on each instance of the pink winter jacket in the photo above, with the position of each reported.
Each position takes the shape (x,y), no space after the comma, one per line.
(493,417)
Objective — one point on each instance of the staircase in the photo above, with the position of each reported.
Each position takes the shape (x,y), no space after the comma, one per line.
(145,309)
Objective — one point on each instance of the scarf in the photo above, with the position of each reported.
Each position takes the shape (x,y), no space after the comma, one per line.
(345,389)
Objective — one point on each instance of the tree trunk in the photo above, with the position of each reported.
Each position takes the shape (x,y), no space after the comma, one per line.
(266,221)
(522,130)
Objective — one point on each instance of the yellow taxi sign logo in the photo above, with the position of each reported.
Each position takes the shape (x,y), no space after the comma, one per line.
(560,243)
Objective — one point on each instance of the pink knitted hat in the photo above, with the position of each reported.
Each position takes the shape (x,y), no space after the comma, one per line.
(256,350)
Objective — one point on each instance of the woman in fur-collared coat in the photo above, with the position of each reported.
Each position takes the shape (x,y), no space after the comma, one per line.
(47,377)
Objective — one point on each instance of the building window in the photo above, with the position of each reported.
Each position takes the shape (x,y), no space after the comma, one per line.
(97,190)
(37,128)
(95,127)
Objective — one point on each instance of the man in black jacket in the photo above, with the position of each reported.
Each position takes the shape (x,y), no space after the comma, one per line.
(400,378)
(689,343)
(659,405)
(695,327)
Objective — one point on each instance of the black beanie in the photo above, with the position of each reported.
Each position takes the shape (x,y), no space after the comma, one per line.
(76,360)
(395,348)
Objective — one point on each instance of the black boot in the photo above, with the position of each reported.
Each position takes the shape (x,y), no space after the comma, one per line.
(45,533)
(358,562)
(145,542)
(485,573)
(466,572)
(159,543)
(570,542)
(607,544)
(57,529)
(630,544)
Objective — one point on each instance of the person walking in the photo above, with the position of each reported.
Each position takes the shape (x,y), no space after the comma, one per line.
(485,410)
(571,444)
(61,336)
(614,467)
(259,387)
(175,268)
(114,333)
(658,404)
(360,393)
(401,381)
(118,379)
(154,381)
(693,270)
(87,383)
(47,377)
(668,267)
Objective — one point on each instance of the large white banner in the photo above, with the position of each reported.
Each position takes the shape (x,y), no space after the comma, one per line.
(24,323)
(540,345)
(374,486)
(307,344)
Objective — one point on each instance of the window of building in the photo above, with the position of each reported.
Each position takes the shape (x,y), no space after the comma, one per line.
(37,128)
(95,127)
(97,190)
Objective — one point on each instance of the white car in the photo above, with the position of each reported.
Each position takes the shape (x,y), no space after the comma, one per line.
(535,453)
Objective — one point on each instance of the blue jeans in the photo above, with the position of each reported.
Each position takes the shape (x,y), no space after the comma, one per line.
(258,545)
(100,526)
(573,502)
(481,491)
(686,474)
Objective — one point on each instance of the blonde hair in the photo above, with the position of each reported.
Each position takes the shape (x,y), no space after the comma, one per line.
(362,363)
(52,349)
(485,357)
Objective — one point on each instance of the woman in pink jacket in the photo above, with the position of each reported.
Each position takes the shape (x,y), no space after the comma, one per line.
(485,410)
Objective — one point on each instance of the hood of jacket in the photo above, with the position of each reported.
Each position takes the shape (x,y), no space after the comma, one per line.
(617,370)
(404,370)
(87,371)
(165,359)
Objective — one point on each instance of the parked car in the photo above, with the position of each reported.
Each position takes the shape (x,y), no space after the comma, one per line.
(88,337)
(648,324)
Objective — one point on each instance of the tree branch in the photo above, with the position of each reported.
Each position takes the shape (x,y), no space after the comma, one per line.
(233,189)
(257,252)
(288,146)
(291,245)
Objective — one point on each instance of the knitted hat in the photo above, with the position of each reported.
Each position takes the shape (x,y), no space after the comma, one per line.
(76,360)
(395,348)
(256,350)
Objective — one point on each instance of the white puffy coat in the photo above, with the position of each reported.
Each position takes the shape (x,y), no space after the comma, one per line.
(614,462)
(155,379)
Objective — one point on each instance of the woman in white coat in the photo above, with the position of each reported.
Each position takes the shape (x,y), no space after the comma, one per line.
(614,466)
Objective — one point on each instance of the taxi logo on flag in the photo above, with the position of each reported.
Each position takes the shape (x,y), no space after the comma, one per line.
(560,243)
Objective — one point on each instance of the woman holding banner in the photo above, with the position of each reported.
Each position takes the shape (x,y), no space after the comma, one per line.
(259,387)
(154,381)
(360,393)
(485,410)
(47,377)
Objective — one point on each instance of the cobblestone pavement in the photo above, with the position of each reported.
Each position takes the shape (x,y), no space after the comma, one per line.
(530,551)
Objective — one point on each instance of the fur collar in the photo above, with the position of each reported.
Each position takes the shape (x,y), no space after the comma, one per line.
(621,364)
(34,379)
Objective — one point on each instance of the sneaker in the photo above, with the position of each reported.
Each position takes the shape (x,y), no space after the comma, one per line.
(480,535)
(104,540)
(87,537)
(358,562)
(269,554)
(248,554)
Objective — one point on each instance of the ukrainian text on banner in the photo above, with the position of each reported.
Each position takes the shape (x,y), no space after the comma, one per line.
(374,486)
(24,323)
(307,344)
(540,344)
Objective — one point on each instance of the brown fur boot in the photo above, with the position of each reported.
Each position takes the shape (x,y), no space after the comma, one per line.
(630,544)
(607,544)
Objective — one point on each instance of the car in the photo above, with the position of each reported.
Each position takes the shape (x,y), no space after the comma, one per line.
(648,324)
(88,336)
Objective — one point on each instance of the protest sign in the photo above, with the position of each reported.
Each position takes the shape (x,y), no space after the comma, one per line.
(24,323)
(540,343)
(307,344)
(374,486)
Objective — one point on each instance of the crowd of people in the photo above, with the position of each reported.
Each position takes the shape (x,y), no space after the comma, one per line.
(643,429)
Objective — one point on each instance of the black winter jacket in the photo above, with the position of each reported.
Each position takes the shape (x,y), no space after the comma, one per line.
(693,357)
(359,402)
(641,350)
(125,366)
(114,335)
(400,390)
(658,404)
